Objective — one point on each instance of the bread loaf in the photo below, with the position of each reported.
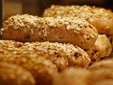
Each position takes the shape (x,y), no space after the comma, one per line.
(42,69)
(101,18)
(11,74)
(62,55)
(65,30)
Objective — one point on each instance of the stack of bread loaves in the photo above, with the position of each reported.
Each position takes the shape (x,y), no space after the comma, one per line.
(56,49)
(101,18)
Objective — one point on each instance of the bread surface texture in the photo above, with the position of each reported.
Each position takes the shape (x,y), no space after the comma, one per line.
(65,30)
(101,18)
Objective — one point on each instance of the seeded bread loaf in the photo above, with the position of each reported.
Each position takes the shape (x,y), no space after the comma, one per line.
(101,18)
(11,74)
(42,69)
(65,30)
(62,55)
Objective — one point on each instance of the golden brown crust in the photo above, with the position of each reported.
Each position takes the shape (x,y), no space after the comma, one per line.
(104,82)
(66,30)
(101,18)
(74,55)
(100,75)
(102,64)
(62,55)
(101,49)
(72,76)
(10,47)
(42,69)
(19,26)
(15,75)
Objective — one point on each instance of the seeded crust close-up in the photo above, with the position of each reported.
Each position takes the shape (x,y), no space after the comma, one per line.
(62,55)
(42,69)
(11,74)
(65,30)
(101,18)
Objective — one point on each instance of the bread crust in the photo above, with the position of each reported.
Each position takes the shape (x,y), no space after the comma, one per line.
(108,64)
(62,55)
(15,75)
(101,49)
(100,76)
(72,76)
(65,30)
(42,69)
(101,18)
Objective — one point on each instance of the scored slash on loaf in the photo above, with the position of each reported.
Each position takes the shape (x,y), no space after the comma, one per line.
(65,30)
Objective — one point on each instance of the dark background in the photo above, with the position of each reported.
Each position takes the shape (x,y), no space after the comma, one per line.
(37,6)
